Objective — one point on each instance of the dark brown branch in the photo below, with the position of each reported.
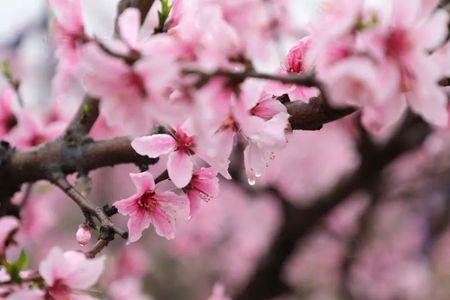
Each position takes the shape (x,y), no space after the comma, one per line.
(83,121)
(82,155)
(98,247)
(41,162)
(313,115)
(307,80)
(298,223)
(445,82)
(355,245)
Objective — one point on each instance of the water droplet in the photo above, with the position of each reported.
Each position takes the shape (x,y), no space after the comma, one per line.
(251,181)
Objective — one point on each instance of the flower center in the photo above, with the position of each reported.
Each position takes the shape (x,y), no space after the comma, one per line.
(398,43)
(185,142)
(135,81)
(147,201)
(58,290)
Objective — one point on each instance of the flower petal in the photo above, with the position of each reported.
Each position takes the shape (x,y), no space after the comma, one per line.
(129,24)
(127,206)
(143,181)
(180,168)
(164,224)
(86,272)
(137,224)
(154,145)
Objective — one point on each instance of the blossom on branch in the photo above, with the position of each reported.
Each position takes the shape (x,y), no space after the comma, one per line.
(148,206)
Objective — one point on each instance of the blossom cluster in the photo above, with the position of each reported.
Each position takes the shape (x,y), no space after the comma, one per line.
(168,80)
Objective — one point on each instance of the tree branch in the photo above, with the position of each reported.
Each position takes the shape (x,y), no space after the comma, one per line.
(298,223)
(307,80)
(314,114)
(83,121)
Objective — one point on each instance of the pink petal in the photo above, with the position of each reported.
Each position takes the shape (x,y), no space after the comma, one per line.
(129,25)
(164,224)
(180,168)
(137,224)
(127,206)
(53,267)
(195,199)
(143,181)
(170,199)
(86,272)
(434,32)
(154,145)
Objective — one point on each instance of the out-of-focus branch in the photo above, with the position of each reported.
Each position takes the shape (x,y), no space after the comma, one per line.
(237,77)
(355,244)
(298,223)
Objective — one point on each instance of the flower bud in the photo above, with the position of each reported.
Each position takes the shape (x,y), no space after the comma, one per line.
(295,60)
(83,234)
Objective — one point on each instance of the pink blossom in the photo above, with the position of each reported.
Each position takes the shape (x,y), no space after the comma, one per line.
(296,63)
(67,273)
(209,49)
(7,226)
(181,147)
(295,60)
(32,131)
(149,207)
(83,234)
(69,38)
(204,186)
(407,43)
(359,82)
(263,136)
(131,94)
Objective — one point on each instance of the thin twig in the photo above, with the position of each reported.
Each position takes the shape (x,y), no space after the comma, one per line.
(107,228)
(98,247)
(307,80)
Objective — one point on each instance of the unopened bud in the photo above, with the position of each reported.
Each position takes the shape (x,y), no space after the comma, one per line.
(83,234)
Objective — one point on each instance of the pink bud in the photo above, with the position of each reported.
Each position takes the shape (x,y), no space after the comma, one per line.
(83,234)
(295,60)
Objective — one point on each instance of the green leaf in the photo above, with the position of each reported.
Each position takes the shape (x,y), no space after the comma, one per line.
(14,269)
(6,69)
(23,261)
(163,15)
